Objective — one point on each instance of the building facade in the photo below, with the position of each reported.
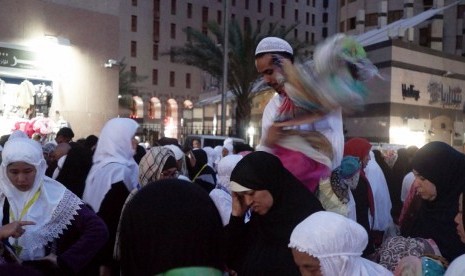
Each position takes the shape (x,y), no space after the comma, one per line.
(52,56)
(420,97)
(166,101)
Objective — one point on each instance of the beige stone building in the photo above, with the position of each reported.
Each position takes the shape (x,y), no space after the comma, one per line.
(52,56)
(167,105)
(421,96)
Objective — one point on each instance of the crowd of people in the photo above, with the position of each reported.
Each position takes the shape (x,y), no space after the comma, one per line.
(308,201)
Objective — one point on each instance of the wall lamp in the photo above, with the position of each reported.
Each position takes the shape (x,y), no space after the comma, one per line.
(111,62)
(60,40)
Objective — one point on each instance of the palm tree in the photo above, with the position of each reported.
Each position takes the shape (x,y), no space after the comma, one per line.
(203,52)
(127,85)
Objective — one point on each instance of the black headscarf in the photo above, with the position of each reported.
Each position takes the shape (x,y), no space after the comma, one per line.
(75,169)
(170,224)
(202,174)
(268,235)
(443,166)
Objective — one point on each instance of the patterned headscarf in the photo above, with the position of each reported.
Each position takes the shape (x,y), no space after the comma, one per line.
(151,165)
(345,176)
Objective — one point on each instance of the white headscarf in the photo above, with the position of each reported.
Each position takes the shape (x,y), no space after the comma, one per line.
(457,267)
(225,167)
(378,184)
(53,209)
(337,242)
(112,162)
(222,196)
(210,155)
(217,154)
(230,149)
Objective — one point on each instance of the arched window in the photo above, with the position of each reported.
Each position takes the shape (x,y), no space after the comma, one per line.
(171,119)
(188,104)
(154,108)
(137,107)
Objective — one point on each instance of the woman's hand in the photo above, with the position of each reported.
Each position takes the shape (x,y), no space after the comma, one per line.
(239,207)
(14,229)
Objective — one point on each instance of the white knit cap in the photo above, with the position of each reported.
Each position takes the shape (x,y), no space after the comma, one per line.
(273,44)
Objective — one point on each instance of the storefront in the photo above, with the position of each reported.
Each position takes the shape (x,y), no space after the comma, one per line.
(52,69)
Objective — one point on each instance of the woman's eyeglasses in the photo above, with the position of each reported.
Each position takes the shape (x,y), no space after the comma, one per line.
(170,173)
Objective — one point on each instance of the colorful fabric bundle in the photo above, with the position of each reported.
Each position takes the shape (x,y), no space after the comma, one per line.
(334,78)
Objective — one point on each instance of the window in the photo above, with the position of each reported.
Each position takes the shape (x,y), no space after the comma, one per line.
(325,4)
(172,78)
(371,19)
(219,17)
(325,17)
(133,73)
(246,4)
(312,40)
(204,20)
(155,51)
(246,22)
(134,3)
(173,30)
(306,37)
(324,32)
(233,16)
(460,11)
(133,23)
(233,3)
(296,15)
(155,77)
(313,3)
(188,80)
(283,11)
(343,3)
(313,19)
(341,26)
(296,33)
(395,15)
(271,9)
(307,18)
(351,23)
(189,10)
(133,48)
(173,7)
(156,8)
(188,33)
(458,42)
(156,30)
(259,5)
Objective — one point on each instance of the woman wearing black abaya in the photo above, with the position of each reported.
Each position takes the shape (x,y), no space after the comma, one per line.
(439,180)
(401,167)
(202,174)
(278,202)
(171,227)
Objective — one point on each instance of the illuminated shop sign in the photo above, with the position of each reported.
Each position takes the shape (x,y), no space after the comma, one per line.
(16,58)
(449,96)
(409,92)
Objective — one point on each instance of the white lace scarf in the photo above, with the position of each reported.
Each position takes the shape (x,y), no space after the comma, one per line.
(35,239)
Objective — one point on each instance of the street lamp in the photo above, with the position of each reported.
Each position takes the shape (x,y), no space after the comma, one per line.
(225,68)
